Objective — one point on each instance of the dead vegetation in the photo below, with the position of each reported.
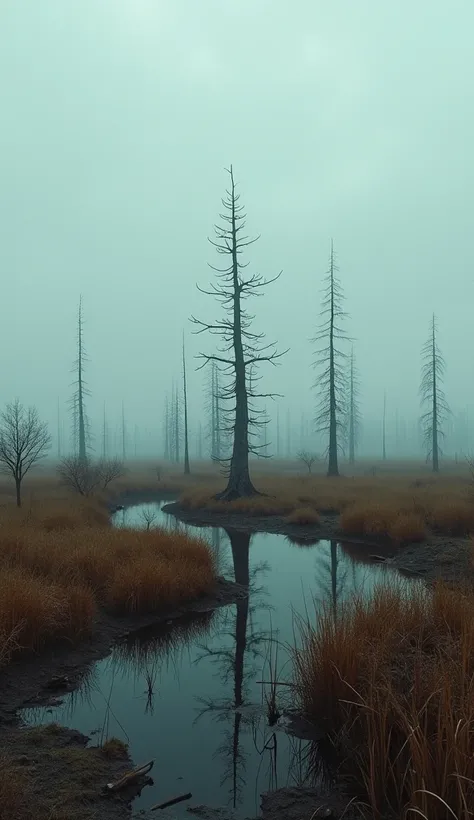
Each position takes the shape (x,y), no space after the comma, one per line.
(60,562)
(392,679)
(48,774)
(402,508)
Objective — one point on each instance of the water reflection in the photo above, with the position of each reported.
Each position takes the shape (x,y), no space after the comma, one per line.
(189,693)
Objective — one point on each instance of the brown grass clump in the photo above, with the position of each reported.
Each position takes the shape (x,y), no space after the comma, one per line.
(393,680)
(114,749)
(453,517)
(407,527)
(304,515)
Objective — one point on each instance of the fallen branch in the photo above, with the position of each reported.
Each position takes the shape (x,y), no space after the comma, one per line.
(130,777)
(172,802)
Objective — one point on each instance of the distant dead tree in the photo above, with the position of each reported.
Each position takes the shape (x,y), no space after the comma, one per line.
(241,348)
(24,440)
(308,459)
(384,427)
(80,421)
(87,476)
(353,411)
(149,517)
(331,382)
(432,396)
(185,403)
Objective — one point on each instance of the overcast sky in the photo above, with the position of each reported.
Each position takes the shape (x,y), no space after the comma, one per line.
(345,119)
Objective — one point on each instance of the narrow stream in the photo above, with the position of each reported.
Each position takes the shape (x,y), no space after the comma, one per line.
(190,695)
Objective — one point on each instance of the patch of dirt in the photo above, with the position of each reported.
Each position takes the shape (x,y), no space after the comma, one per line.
(298,803)
(53,776)
(448,559)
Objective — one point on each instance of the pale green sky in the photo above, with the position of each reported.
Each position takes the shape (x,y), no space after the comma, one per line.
(344,119)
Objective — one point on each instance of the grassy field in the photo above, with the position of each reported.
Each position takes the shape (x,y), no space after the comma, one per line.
(392,679)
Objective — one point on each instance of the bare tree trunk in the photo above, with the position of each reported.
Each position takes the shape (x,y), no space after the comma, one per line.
(352,416)
(167,431)
(124,436)
(176,427)
(333,469)
(435,407)
(288,434)
(185,396)
(80,387)
(217,415)
(18,491)
(278,433)
(384,448)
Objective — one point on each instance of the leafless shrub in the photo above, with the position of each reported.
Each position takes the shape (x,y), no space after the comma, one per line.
(308,459)
(85,476)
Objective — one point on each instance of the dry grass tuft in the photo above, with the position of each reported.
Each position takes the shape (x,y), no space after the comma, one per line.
(304,515)
(115,749)
(453,517)
(393,680)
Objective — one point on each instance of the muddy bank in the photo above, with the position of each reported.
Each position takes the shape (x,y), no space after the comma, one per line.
(48,772)
(438,557)
(32,679)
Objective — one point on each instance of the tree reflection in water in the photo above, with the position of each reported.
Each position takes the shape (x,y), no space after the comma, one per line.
(240,660)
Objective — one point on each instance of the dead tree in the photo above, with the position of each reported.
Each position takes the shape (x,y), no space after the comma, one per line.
(432,396)
(24,440)
(167,431)
(185,403)
(330,360)
(308,459)
(353,412)
(384,427)
(241,348)
(124,435)
(80,420)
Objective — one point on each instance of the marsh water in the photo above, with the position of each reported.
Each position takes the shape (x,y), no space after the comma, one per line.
(190,694)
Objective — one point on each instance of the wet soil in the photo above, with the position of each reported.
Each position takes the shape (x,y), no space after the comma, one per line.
(438,557)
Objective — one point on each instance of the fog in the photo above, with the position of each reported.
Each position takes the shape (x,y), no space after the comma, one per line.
(351,121)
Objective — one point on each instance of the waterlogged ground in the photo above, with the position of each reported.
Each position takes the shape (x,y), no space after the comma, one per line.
(190,696)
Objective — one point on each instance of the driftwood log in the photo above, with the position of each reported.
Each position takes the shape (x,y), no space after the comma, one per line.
(130,777)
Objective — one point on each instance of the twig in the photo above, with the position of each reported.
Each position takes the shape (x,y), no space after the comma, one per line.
(172,802)
(130,777)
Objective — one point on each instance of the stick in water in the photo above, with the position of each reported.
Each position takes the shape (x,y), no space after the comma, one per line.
(171,802)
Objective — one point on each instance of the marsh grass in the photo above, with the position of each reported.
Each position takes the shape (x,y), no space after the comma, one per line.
(61,563)
(393,681)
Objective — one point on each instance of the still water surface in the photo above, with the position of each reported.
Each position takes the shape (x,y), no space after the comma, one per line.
(190,695)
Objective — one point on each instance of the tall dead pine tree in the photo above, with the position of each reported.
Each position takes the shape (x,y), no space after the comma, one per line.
(330,358)
(80,418)
(353,412)
(240,347)
(432,396)
(185,401)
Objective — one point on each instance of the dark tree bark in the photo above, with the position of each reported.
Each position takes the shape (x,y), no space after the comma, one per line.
(384,427)
(167,430)
(124,435)
(185,398)
(432,396)
(331,382)
(241,348)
